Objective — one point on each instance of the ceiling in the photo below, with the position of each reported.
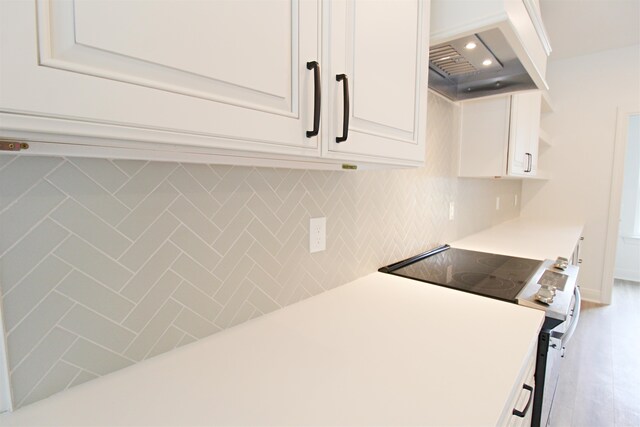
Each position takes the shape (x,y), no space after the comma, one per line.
(582,27)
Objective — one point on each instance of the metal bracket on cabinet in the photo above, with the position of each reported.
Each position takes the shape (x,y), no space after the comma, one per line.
(10,145)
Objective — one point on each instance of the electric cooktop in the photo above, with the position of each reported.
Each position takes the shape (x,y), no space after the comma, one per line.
(491,275)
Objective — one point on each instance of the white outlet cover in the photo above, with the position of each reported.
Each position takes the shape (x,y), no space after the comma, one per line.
(497,203)
(317,234)
(515,200)
(452,211)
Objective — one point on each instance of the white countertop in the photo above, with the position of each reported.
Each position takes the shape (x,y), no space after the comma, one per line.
(382,350)
(526,238)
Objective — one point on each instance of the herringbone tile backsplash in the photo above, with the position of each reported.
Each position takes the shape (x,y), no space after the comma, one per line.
(104,263)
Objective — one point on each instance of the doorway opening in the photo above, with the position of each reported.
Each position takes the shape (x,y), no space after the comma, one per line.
(627,263)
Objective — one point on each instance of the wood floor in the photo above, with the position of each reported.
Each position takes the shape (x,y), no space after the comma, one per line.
(599,383)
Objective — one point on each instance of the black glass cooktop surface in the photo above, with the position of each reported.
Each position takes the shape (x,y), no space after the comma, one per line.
(491,275)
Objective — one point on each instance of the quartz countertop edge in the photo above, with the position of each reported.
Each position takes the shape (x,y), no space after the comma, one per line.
(526,238)
(381,350)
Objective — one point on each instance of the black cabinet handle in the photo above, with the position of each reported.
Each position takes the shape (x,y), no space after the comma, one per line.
(526,408)
(345,115)
(317,97)
(530,166)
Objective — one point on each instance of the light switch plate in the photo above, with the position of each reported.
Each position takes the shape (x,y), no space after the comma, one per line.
(497,203)
(317,234)
(452,211)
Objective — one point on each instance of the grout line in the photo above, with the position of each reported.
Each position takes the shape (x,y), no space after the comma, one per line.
(256,286)
(41,339)
(210,271)
(13,159)
(80,367)
(94,181)
(204,216)
(76,375)
(153,286)
(72,233)
(201,187)
(112,161)
(51,253)
(197,236)
(99,219)
(96,344)
(43,178)
(167,241)
(231,297)
(39,302)
(200,265)
(194,178)
(143,200)
(200,291)
(78,303)
(146,355)
(90,179)
(149,193)
(92,278)
(186,334)
(34,226)
(47,373)
(238,311)
(212,323)
(155,221)
(235,191)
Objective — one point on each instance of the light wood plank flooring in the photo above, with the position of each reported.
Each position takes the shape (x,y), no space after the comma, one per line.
(599,383)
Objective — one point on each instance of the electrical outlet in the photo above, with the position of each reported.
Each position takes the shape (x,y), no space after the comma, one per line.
(497,203)
(515,200)
(317,234)
(452,211)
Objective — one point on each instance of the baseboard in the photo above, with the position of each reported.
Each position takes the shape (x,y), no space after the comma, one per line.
(627,274)
(591,295)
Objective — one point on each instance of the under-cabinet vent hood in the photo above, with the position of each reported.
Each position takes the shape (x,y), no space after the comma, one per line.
(476,65)
(487,47)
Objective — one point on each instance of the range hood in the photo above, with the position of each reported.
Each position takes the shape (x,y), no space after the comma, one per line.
(481,48)
(477,65)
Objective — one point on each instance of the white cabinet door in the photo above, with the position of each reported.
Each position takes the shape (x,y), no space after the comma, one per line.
(499,136)
(229,74)
(382,48)
(524,132)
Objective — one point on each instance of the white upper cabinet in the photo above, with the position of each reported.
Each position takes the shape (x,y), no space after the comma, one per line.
(222,78)
(379,51)
(223,74)
(524,134)
(499,136)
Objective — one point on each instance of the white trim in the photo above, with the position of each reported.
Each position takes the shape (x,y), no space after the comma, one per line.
(6,398)
(631,240)
(613,222)
(627,274)
(591,295)
(536,18)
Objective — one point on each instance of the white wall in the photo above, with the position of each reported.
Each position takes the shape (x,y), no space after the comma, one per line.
(586,91)
(628,252)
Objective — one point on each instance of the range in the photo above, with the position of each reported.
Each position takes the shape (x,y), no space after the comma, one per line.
(548,285)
